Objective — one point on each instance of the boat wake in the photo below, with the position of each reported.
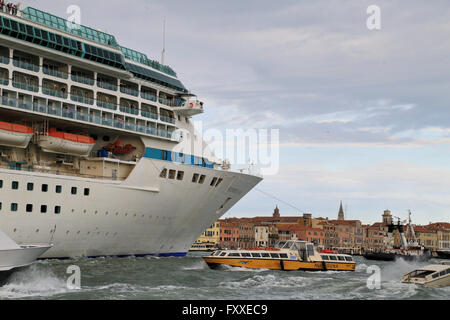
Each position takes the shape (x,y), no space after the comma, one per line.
(35,281)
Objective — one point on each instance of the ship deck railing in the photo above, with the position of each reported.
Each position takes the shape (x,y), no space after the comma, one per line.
(40,169)
(76,115)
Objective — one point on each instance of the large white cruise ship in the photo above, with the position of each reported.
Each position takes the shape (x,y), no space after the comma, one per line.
(90,146)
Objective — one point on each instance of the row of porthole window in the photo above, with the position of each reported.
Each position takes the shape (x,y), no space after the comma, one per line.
(172,174)
(196,178)
(29,208)
(44,188)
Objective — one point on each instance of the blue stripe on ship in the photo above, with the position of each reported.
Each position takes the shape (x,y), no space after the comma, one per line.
(177,157)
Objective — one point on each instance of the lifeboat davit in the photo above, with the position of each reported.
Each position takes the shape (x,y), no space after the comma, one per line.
(15,135)
(119,148)
(66,143)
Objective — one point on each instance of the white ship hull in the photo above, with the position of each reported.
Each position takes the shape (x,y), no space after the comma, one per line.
(143,215)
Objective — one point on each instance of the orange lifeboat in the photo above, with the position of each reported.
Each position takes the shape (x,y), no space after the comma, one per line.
(66,143)
(119,148)
(15,135)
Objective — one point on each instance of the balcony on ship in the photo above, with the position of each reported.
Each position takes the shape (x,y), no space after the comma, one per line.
(81,95)
(166,99)
(26,61)
(129,106)
(55,69)
(191,107)
(167,116)
(149,94)
(25,101)
(25,81)
(151,128)
(129,88)
(149,111)
(106,82)
(4,76)
(4,55)
(54,108)
(54,88)
(82,76)
(106,101)
(119,121)
(95,116)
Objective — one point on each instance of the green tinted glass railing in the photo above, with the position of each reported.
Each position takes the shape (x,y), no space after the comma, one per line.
(4,81)
(149,115)
(131,92)
(83,80)
(106,105)
(148,96)
(54,93)
(4,60)
(142,58)
(53,21)
(25,65)
(55,73)
(24,86)
(107,85)
(168,119)
(129,110)
(81,99)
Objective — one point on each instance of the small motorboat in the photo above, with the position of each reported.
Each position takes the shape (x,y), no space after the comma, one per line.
(434,275)
(119,148)
(15,135)
(14,257)
(286,256)
(66,143)
(204,247)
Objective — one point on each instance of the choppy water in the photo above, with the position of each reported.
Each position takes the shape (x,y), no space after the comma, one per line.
(190,279)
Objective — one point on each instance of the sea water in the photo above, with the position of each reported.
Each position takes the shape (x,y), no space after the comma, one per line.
(189,278)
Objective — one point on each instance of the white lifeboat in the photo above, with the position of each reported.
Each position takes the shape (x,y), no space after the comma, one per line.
(15,135)
(66,143)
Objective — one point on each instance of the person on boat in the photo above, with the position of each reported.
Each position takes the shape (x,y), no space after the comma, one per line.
(2,5)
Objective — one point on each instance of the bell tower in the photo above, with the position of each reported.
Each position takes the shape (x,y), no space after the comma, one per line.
(341,216)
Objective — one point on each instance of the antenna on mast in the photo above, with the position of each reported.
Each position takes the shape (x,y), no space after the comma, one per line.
(163,54)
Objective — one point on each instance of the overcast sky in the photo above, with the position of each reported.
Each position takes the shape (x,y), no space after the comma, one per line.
(363,115)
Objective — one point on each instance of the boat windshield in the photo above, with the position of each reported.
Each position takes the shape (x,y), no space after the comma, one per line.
(280,244)
(421,273)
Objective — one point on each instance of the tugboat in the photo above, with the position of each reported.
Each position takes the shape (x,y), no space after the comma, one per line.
(410,251)
(435,275)
(286,256)
(14,257)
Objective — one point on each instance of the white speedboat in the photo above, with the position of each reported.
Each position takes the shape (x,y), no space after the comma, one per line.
(434,275)
(14,257)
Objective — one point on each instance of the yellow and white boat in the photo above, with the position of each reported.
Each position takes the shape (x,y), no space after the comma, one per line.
(287,256)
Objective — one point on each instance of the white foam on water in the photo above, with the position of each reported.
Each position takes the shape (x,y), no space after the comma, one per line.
(198,265)
(35,281)
(268,281)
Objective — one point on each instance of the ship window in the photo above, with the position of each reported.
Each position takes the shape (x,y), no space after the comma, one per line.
(29,208)
(283,255)
(58,189)
(202,179)
(163,174)
(14,207)
(57,210)
(1,184)
(222,254)
(219,182)
(180,175)
(172,174)
(349,259)
(265,255)
(333,258)
(246,255)
(325,258)
(195,178)
(74,190)
(274,255)
(256,255)
(15,185)
(435,275)
(213,182)
(234,255)
(43,209)
(0,206)
(44,187)
(442,273)
(86,191)
(341,258)
(30,186)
